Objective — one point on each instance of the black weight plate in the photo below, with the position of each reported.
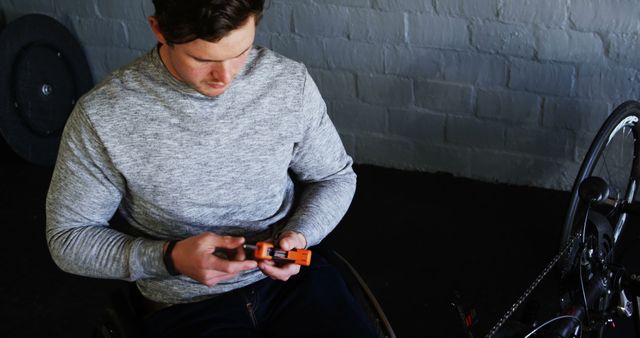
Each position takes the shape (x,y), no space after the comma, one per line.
(43,72)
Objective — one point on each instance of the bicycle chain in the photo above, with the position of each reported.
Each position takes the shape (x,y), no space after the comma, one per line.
(533,285)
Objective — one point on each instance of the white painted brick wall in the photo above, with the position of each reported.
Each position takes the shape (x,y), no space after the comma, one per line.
(445,97)
(474,133)
(549,13)
(437,31)
(500,90)
(417,126)
(550,78)
(478,9)
(501,38)
(624,49)
(385,90)
(359,117)
(570,46)
(484,70)
(513,108)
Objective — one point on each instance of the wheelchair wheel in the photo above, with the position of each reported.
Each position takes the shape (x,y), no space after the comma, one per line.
(614,157)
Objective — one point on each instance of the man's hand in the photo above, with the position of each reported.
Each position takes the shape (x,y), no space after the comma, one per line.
(194,257)
(288,240)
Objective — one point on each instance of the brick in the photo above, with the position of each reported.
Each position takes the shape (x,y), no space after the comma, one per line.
(442,158)
(349,143)
(28,7)
(276,18)
(477,9)
(403,154)
(147,8)
(376,26)
(263,39)
(563,177)
(522,169)
(349,3)
(569,46)
(444,97)
(624,49)
(334,84)
(606,16)
(385,90)
(357,56)
(547,78)
(416,125)
(474,68)
(67,21)
(310,51)
(104,60)
(583,142)
(78,8)
(475,133)
(602,82)
(500,166)
(380,150)
(522,108)
(140,35)
(495,37)
(100,32)
(544,143)
(413,6)
(326,21)
(412,62)
(550,13)
(354,116)
(128,10)
(441,32)
(573,114)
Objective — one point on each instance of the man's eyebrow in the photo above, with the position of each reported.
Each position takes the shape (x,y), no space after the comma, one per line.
(208,60)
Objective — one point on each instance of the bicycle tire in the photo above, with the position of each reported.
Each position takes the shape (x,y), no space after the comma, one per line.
(625,117)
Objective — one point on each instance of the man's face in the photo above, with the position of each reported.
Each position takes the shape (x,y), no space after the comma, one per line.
(209,67)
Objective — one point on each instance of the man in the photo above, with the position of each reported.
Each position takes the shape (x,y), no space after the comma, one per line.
(197,144)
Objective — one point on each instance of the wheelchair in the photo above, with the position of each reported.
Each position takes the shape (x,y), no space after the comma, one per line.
(121,317)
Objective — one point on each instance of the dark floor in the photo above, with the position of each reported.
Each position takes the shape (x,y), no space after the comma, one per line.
(416,238)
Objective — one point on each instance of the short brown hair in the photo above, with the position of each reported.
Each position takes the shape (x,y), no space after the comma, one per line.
(183,21)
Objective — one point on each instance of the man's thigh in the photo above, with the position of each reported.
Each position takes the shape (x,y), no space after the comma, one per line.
(316,302)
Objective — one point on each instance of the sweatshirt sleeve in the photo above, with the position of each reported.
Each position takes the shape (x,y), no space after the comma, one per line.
(84,194)
(321,164)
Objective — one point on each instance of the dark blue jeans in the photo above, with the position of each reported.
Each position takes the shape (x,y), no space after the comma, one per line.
(314,303)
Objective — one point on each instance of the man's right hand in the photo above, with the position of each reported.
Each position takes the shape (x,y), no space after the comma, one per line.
(194,257)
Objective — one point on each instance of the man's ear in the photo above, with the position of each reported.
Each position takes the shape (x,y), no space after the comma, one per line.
(155,27)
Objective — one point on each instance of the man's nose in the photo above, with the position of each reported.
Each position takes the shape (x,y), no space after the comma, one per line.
(222,72)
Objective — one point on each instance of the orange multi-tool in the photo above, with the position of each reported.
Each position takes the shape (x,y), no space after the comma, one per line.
(266,250)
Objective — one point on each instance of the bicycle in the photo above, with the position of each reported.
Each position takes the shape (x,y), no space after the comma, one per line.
(595,286)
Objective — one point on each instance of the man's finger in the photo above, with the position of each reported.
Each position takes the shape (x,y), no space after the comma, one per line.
(230,266)
(287,244)
(238,254)
(290,240)
(274,271)
(211,281)
(228,242)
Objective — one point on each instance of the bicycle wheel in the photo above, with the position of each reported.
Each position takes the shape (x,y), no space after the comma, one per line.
(613,156)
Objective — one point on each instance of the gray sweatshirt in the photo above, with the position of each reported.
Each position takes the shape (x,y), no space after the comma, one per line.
(176,163)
